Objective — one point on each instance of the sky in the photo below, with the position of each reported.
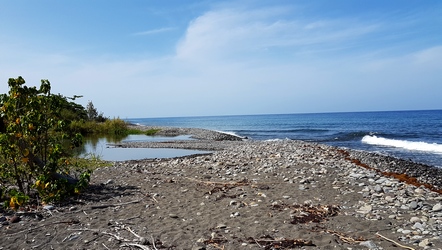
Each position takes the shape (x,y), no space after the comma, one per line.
(174,58)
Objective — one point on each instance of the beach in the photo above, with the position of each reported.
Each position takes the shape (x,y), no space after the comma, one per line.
(282,194)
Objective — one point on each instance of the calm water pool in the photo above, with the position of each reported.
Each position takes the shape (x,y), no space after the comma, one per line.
(104,149)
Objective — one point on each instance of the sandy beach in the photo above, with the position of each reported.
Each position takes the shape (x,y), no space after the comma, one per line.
(245,195)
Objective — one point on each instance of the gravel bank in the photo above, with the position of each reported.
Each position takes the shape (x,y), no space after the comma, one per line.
(245,195)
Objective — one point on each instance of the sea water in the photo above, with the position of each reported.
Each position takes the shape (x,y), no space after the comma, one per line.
(414,135)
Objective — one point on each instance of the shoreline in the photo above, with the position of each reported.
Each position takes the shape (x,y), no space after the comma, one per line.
(245,195)
(425,174)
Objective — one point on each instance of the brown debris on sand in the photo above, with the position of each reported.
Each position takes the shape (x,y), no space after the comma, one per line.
(246,195)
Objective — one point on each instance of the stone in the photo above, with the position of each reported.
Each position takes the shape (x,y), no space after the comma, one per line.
(377,189)
(406,231)
(388,198)
(369,244)
(303,187)
(233,215)
(48,207)
(437,207)
(108,182)
(419,191)
(413,205)
(381,180)
(424,243)
(365,209)
(356,176)
(418,225)
(143,241)
(415,219)
(14,219)
(405,207)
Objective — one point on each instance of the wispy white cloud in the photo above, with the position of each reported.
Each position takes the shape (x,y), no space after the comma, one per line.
(154,31)
(432,56)
(238,32)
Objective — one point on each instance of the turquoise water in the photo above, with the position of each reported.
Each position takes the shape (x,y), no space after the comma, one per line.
(415,135)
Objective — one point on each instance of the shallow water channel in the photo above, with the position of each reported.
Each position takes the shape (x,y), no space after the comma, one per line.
(104,148)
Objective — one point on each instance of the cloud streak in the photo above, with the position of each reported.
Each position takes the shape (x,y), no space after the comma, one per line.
(154,31)
(235,33)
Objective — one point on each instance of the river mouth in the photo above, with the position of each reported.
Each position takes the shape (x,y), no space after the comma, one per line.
(107,149)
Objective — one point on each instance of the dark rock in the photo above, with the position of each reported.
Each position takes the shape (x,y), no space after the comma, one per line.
(14,219)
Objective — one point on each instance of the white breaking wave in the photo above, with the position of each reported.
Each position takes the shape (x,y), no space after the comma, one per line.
(277,140)
(410,145)
(229,133)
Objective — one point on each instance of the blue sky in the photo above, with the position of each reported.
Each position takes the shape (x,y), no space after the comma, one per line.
(152,58)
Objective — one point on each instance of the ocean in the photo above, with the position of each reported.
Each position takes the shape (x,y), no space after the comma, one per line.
(411,135)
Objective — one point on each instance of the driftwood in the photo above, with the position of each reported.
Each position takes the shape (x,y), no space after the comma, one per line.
(127,242)
(136,245)
(394,242)
(221,186)
(268,242)
(346,238)
(308,213)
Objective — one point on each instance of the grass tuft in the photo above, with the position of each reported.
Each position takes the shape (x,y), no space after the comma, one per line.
(152,131)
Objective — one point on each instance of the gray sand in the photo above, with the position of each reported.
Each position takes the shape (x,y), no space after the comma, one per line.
(245,195)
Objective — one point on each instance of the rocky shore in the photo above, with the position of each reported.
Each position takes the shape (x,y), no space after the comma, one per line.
(245,195)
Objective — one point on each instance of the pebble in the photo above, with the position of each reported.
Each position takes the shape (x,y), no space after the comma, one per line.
(108,182)
(415,219)
(14,219)
(233,215)
(370,244)
(437,207)
(48,207)
(378,188)
(424,243)
(365,209)
(413,205)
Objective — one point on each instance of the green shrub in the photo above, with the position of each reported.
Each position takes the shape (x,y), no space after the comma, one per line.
(112,127)
(152,131)
(36,145)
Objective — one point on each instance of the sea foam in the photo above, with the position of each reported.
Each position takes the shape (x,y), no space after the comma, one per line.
(409,145)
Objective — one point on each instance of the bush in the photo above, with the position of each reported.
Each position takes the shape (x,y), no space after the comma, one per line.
(152,131)
(36,146)
(114,126)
